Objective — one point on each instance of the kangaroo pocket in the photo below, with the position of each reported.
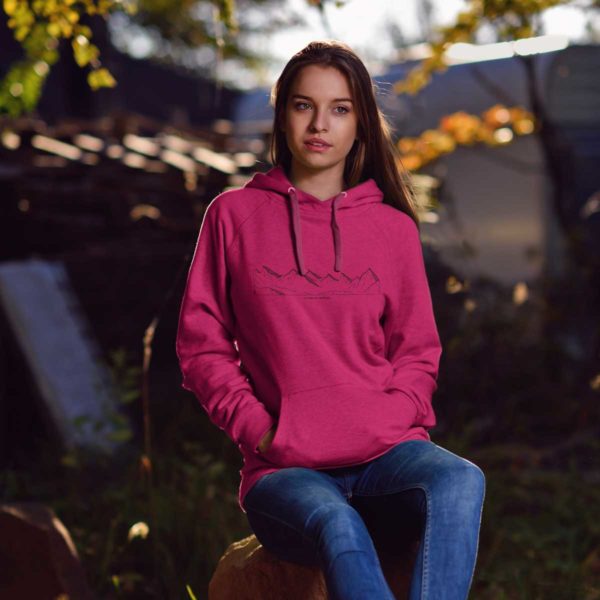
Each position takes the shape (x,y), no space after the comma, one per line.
(338,425)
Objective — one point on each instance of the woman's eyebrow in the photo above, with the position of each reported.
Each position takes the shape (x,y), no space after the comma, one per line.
(334,100)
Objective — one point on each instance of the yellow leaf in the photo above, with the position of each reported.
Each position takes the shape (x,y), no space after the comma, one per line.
(10,6)
(83,51)
(101,78)
(131,8)
(83,30)
(53,29)
(21,33)
(72,16)
(50,6)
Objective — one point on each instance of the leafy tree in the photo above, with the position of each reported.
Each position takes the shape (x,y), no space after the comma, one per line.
(178,28)
(513,20)
(510,20)
(39,26)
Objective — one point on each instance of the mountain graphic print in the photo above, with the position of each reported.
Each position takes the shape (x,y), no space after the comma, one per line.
(268,282)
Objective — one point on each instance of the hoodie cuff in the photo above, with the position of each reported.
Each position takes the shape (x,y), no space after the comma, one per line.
(260,422)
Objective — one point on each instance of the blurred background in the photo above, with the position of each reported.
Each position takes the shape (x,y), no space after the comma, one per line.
(120,120)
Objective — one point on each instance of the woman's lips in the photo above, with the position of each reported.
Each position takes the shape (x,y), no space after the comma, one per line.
(316,147)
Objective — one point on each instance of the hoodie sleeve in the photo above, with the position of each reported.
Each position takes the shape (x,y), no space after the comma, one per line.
(412,343)
(205,347)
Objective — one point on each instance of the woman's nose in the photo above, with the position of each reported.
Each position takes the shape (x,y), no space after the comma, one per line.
(319,121)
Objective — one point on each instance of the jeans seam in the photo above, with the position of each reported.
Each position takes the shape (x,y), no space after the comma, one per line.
(477,540)
(347,488)
(394,491)
(424,577)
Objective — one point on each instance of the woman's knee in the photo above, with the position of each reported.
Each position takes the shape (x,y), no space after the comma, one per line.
(473,478)
(459,483)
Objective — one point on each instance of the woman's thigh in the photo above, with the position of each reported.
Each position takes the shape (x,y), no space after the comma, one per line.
(281,506)
(392,492)
(414,464)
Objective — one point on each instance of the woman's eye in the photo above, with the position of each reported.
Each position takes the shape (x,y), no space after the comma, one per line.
(300,105)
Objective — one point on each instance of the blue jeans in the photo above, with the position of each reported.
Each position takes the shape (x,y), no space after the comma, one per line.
(327,517)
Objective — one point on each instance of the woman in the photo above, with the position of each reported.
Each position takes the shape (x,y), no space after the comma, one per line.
(307,333)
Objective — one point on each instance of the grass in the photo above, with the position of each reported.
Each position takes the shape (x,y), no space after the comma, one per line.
(539,539)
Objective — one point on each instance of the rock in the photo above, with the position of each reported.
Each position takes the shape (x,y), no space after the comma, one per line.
(38,559)
(247,571)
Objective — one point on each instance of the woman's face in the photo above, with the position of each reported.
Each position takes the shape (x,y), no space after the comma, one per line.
(320,106)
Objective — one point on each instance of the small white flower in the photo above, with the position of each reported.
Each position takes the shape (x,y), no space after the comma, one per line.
(139,529)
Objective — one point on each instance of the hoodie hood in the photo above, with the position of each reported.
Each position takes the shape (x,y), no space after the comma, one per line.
(277,183)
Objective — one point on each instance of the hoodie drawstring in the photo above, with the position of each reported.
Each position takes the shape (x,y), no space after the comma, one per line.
(337,237)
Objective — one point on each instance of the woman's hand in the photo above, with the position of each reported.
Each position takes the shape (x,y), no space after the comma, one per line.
(265,442)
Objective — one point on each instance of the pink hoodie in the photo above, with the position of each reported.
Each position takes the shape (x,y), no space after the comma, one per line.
(312,315)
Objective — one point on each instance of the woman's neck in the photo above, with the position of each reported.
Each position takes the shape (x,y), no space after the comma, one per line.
(322,185)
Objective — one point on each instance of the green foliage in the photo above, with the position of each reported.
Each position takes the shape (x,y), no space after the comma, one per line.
(517,397)
(156,539)
(39,26)
(189,515)
(115,424)
(540,532)
(189,591)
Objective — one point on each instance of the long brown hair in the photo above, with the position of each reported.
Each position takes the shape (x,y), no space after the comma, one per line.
(373,155)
